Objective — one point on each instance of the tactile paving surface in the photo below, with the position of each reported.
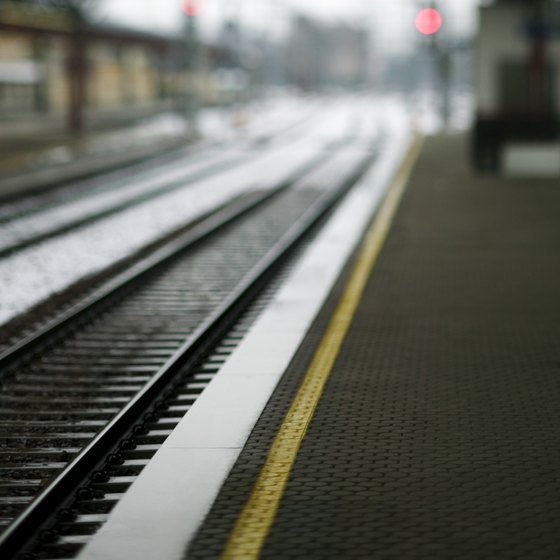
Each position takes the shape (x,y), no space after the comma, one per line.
(438,433)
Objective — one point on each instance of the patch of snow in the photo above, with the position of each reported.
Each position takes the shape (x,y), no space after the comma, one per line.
(32,275)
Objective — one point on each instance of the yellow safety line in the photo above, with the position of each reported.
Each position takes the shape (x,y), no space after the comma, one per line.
(255,521)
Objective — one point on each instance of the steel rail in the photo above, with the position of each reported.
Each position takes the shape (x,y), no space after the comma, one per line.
(61,490)
(144,166)
(36,341)
(188,179)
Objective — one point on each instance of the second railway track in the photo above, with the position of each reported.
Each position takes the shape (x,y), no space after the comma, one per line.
(29,223)
(68,393)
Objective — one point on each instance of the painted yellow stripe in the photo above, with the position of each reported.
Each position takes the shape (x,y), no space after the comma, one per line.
(255,521)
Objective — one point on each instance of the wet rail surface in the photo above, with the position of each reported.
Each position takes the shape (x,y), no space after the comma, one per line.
(75,524)
(57,404)
(44,313)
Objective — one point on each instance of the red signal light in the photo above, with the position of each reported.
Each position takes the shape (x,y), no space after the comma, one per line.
(429,21)
(191,7)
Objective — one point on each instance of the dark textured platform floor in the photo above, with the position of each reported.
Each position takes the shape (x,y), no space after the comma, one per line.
(438,433)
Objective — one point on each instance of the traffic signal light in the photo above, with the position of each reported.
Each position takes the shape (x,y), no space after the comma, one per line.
(191,7)
(429,21)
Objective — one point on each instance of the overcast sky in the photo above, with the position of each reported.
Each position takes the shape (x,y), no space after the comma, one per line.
(391,21)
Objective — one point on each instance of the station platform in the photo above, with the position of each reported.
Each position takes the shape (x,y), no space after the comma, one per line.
(420,416)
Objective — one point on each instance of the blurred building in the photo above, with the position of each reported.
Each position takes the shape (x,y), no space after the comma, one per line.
(321,56)
(51,65)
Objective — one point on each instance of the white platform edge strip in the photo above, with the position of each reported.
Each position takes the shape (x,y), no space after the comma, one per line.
(163,509)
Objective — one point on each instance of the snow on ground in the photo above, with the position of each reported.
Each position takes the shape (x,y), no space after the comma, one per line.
(245,120)
(39,223)
(101,198)
(257,119)
(30,276)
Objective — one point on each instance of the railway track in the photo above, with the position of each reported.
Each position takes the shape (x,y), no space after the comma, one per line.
(43,217)
(54,187)
(32,228)
(62,308)
(55,264)
(87,400)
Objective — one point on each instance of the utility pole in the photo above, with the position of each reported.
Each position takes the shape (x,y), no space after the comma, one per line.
(429,22)
(238,116)
(366,25)
(278,20)
(237,47)
(191,10)
(77,68)
(444,61)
